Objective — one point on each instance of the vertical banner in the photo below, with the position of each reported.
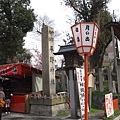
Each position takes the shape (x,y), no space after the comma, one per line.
(109,104)
(81,88)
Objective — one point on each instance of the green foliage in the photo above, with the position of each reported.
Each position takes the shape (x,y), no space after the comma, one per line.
(106,87)
(63,113)
(16,19)
(87,10)
(24,57)
(112,117)
(97,92)
(116,114)
(93,111)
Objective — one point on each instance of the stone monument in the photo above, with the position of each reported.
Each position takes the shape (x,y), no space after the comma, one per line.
(48,104)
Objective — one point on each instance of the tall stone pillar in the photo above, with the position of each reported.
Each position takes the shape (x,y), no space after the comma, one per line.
(48,65)
(109,79)
(101,80)
(49,104)
(118,78)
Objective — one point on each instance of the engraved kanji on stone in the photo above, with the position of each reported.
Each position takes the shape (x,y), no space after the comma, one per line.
(52,59)
(51,48)
(52,69)
(53,81)
(51,32)
(51,39)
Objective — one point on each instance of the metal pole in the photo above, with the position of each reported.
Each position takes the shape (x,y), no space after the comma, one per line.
(86,86)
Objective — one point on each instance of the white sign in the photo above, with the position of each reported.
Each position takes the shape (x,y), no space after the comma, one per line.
(81,89)
(109,104)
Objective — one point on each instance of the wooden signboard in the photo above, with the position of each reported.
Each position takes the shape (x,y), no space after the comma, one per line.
(91,80)
(81,89)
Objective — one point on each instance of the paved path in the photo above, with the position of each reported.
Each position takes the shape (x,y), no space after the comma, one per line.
(23,116)
(117,118)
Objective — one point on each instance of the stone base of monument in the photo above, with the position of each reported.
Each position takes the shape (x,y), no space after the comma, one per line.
(48,106)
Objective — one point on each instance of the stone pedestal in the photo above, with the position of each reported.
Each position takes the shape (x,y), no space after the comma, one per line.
(48,106)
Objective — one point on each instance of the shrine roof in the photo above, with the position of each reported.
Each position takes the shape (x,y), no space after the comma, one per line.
(65,49)
(116,27)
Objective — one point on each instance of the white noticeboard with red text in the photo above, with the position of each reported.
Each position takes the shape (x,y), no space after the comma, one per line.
(81,88)
(109,104)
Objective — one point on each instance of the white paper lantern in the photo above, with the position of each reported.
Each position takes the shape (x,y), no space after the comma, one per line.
(85,36)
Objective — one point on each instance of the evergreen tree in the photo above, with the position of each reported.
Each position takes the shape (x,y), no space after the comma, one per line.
(16,19)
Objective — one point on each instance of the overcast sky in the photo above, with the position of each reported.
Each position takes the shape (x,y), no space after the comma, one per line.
(57,11)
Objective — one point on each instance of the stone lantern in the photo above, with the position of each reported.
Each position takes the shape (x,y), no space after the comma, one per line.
(72,60)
